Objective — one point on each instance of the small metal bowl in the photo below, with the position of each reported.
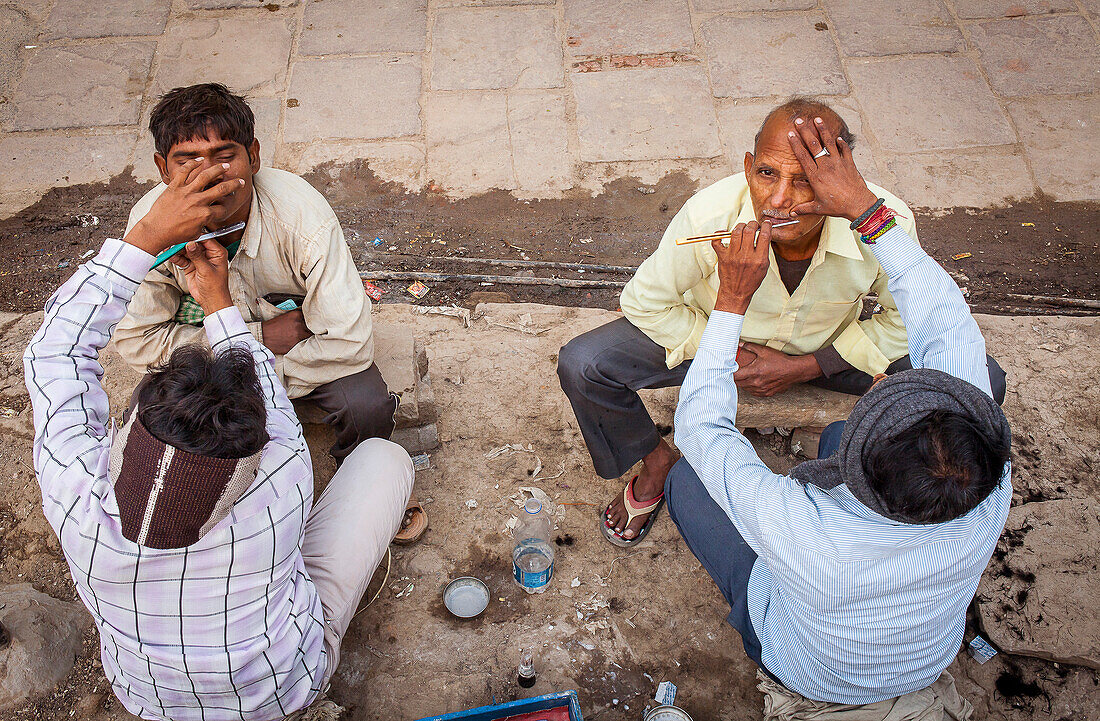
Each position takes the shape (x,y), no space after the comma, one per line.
(466,597)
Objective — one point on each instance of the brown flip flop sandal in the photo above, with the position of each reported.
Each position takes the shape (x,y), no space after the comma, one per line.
(413,524)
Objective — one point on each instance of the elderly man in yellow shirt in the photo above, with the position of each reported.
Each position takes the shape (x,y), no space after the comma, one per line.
(804,324)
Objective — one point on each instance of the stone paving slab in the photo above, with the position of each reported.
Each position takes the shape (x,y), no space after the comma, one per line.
(539,131)
(109,18)
(585,90)
(364,98)
(82,86)
(1062,140)
(33,162)
(486,48)
(467,140)
(766,56)
(929,102)
(1026,56)
(246,53)
(601,27)
(221,4)
(894,27)
(745,6)
(640,114)
(981,9)
(976,178)
(351,26)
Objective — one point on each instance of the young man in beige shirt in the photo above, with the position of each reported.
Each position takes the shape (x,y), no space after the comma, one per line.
(291,248)
(804,323)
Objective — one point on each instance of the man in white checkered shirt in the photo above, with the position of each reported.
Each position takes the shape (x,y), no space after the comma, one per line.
(219,589)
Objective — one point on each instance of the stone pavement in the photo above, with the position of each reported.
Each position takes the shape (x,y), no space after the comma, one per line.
(955,102)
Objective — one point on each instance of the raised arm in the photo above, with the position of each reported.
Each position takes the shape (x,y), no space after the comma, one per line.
(61,363)
(706,433)
(942,333)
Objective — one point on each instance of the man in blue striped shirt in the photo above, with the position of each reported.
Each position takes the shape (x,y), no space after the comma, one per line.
(848,579)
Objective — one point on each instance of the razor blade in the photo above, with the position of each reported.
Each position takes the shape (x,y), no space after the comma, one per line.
(205,236)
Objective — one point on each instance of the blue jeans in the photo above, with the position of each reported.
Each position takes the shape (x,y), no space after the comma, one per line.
(714,540)
(830,439)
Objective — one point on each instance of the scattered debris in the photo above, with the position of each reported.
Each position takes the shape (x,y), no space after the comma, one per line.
(373,290)
(63,264)
(980,650)
(961,256)
(405,592)
(646,191)
(586,240)
(421,462)
(575,582)
(1028,225)
(88,220)
(525,325)
(454,310)
(418,290)
(376,242)
(471,504)
(87,254)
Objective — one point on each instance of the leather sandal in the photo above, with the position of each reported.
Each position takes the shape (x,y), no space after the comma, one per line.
(413,525)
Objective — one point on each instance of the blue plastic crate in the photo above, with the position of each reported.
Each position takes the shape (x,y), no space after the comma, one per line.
(514,708)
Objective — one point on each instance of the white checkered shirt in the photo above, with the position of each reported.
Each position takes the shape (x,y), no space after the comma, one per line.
(230,627)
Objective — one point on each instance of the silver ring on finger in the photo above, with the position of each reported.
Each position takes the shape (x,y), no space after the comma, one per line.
(821,154)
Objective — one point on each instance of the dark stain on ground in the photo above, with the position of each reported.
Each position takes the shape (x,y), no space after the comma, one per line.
(1010,685)
(507,602)
(565,540)
(1034,247)
(600,681)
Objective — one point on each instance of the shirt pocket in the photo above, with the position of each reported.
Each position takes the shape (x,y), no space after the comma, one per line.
(826,317)
(267,310)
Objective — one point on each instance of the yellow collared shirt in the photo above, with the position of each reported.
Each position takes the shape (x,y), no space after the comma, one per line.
(673,292)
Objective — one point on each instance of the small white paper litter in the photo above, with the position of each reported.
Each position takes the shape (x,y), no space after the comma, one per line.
(471,504)
(575,582)
(454,310)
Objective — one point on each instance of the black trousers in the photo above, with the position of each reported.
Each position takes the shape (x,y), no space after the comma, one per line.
(601,372)
(358,407)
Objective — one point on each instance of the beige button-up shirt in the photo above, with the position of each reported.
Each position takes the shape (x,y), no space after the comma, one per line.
(673,292)
(292,245)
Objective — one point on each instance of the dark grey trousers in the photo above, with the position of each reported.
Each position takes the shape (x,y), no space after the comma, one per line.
(358,407)
(602,370)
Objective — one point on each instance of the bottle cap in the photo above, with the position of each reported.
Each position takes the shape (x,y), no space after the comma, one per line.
(532,506)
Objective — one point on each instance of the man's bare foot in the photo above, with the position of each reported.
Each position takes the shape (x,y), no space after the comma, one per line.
(650,484)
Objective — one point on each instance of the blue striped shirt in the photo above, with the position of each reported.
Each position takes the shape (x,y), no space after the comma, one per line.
(850,607)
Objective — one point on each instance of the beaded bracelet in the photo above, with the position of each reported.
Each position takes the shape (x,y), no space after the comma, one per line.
(867,214)
(875,226)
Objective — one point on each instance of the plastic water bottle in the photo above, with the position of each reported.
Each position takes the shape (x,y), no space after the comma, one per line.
(533,556)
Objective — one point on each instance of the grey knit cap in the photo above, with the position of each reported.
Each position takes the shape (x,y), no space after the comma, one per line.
(888,409)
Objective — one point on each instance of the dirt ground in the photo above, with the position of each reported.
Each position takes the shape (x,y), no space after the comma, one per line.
(634,618)
(1035,247)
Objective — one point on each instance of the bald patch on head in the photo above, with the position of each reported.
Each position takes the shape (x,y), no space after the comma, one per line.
(806,108)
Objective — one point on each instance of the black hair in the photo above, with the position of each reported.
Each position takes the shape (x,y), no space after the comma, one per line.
(206,404)
(938,469)
(803,106)
(196,111)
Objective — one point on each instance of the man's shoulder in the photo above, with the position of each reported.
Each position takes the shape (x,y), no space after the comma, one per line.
(292,200)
